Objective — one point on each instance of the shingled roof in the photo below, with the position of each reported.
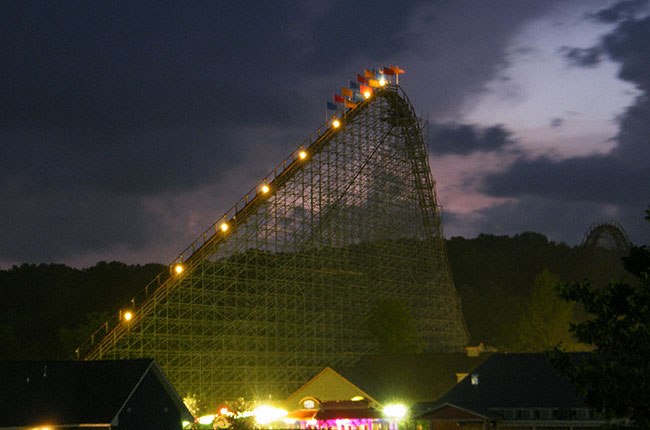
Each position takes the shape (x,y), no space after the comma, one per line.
(513,381)
(409,378)
(72,392)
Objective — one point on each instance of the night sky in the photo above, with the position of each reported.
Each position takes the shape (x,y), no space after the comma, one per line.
(128,128)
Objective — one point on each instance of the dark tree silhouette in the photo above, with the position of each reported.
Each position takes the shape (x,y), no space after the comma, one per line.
(616,378)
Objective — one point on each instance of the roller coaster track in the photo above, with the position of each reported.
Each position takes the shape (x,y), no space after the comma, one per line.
(403,123)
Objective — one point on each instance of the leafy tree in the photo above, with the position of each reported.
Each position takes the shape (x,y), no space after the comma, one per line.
(616,379)
(238,419)
(392,326)
(69,339)
(545,322)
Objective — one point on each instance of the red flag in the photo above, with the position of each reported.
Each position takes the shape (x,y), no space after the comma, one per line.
(338,99)
(388,71)
(365,89)
(397,70)
(361,79)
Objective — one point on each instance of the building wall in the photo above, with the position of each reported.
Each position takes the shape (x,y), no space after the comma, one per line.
(150,407)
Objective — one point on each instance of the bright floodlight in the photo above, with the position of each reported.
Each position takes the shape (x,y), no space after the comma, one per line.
(224,226)
(265,189)
(267,414)
(367,94)
(395,411)
(382,82)
(178,269)
(127,316)
(336,123)
(206,419)
(302,155)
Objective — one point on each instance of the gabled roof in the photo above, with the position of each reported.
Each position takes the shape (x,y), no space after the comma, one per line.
(409,378)
(72,392)
(327,385)
(513,381)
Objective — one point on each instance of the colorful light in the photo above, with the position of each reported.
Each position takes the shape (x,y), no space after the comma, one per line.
(127,316)
(224,227)
(178,269)
(336,123)
(367,94)
(265,189)
(302,155)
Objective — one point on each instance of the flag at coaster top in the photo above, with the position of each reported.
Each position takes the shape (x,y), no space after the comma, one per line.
(346,92)
(374,83)
(331,106)
(338,99)
(368,74)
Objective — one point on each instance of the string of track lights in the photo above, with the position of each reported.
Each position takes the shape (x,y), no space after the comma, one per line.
(350,98)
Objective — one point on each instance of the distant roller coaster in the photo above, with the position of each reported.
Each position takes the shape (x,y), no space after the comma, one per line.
(281,285)
(609,235)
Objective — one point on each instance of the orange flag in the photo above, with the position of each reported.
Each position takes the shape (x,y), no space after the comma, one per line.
(346,92)
(374,83)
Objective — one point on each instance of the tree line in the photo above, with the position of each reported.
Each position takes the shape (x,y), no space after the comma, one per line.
(505,285)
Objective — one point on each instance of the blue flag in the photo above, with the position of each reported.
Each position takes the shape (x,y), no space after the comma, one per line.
(331,106)
(354,85)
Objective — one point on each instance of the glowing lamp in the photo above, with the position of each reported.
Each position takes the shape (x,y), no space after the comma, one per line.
(308,404)
(302,155)
(395,411)
(127,316)
(367,94)
(382,81)
(336,123)
(224,227)
(265,189)
(206,419)
(178,269)
(267,414)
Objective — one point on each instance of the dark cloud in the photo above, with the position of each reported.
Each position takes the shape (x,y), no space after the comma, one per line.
(619,179)
(559,220)
(557,122)
(105,105)
(595,179)
(583,57)
(620,11)
(463,139)
(73,222)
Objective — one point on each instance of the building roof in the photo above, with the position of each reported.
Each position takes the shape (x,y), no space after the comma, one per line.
(72,392)
(409,378)
(513,381)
